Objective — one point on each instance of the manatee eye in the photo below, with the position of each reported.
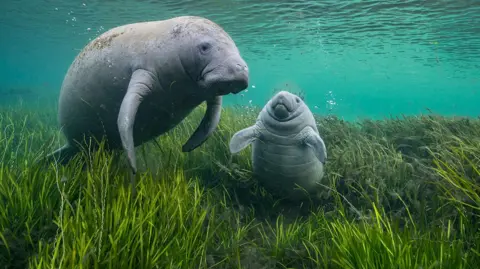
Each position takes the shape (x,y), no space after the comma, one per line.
(205,47)
(297,99)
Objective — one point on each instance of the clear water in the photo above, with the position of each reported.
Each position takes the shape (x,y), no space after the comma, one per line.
(354,59)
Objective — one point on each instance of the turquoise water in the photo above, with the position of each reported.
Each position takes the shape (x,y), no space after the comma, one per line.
(354,59)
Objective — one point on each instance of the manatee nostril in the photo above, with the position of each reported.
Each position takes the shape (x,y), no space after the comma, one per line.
(241,67)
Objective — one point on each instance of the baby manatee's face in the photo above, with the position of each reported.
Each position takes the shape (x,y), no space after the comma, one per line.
(285,106)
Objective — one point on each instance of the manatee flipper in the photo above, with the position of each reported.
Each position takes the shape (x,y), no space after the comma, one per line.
(208,124)
(243,138)
(62,155)
(314,141)
(140,86)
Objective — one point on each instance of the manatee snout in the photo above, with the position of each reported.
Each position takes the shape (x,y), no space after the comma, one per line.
(241,74)
(284,103)
(232,76)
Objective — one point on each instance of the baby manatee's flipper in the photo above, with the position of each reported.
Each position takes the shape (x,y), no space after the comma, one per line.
(314,141)
(207,126)
(243,138)
(140,87)
(63,155)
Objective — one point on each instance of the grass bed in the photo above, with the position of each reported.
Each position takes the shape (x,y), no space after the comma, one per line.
(398,193)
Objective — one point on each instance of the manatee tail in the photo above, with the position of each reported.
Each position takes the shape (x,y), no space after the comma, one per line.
(62,155)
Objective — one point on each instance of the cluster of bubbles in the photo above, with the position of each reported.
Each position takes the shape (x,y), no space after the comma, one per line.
(331,101)
(73,19)
(331,104)
(249,107)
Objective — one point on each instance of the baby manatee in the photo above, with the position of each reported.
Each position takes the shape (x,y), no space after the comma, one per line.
(288,153)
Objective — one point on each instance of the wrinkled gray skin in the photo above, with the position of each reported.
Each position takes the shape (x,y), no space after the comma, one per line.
(287,148)
(137,81)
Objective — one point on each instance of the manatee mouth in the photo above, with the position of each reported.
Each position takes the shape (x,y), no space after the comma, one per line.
(284,106)
(283,103)
(202,77)
(234,86)
(224,79)
(281,111)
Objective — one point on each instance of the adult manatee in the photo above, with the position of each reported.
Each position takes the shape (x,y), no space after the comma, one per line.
(287,149)
(137,81)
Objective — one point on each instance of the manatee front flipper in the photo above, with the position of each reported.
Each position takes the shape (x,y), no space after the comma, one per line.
(314,141)
(140,86)
(207,126)
(243,138)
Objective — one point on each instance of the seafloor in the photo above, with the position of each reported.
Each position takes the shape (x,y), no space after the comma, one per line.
(398,193)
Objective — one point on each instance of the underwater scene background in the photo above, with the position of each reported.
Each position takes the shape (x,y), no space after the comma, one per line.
(351,58)
(394,86)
